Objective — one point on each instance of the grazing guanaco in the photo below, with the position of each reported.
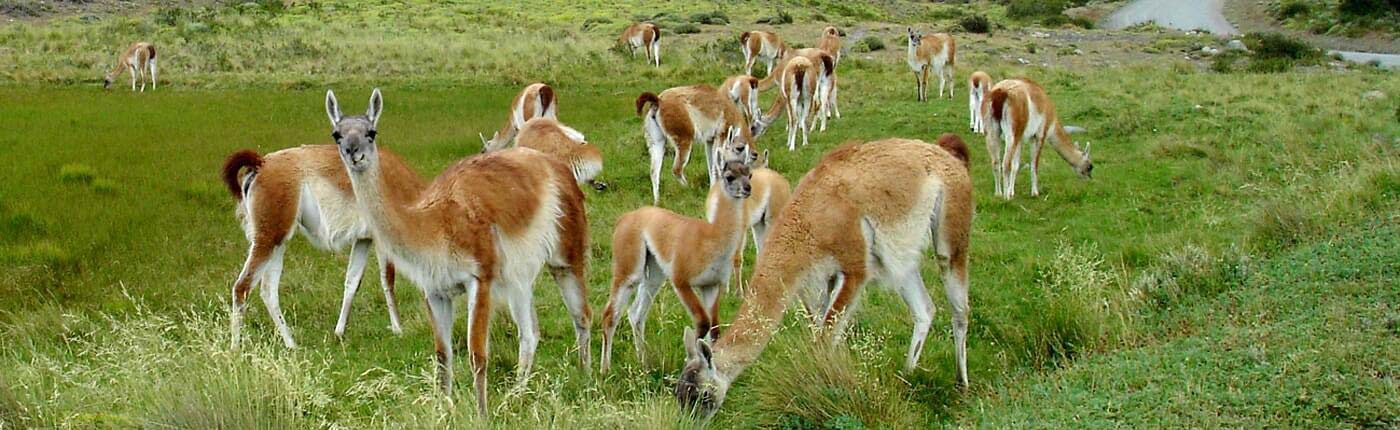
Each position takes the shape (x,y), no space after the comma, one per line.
(743,91)
(771,192)
(306,189)
(139,58)
(844,227)
(683,115)
(1017,111)
(535,101)
(483,228)
(803,86)
(978,85)
(761,45)
(547,135)
(831,42)
(936,51)
(645,36)
(825,95)
(651,245)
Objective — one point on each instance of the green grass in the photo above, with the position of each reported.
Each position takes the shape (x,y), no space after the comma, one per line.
(118,244)
(1307,339)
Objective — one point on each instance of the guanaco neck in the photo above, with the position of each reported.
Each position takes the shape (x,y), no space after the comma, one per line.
(765,301)
(727,221)
(388,212)
(1064,146)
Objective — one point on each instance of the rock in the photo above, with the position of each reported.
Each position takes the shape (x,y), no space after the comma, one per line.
(1236,45)
(1210,51)
(1023,61)
(1039,35)
(1373,95)
(1078,51)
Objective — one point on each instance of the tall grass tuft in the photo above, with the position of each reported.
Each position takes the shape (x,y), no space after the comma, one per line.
(821,386)
(1085,308)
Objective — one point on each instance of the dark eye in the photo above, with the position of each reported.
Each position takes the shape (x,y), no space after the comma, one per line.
(335,135)
(371,134)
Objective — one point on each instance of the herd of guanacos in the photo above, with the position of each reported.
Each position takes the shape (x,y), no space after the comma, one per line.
(489,223)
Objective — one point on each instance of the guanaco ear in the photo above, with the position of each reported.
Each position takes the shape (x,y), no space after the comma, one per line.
(1086,149)
(692,344)
(376,107)
(707,352)
(762,161)
(485,144)
(332,108)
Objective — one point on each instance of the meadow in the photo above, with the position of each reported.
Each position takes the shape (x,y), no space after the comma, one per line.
(1231,264)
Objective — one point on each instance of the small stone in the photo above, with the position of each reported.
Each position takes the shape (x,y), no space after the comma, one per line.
(1022,61)
(1236,45)
(1373,95)
(1078,51)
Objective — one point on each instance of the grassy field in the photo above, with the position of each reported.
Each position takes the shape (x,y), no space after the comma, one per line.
(1237,224)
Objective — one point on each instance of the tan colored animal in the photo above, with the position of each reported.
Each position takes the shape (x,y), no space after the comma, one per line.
(549,136)
(844,227)
(537,100)
(304,189)
(761,45)
(485,227)
(771,192)
(935,52)
(804,85)
(139,59)
(831,42)
(743,91)
(683,115)
(1017,111)
(825,96)
(651,245)
(978,85)
(645,36)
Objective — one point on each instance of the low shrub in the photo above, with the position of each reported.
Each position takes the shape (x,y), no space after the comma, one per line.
(710,18)
(975,24)
(594,22)
(685,28)
(1276,45)
(781,17)
(868,44)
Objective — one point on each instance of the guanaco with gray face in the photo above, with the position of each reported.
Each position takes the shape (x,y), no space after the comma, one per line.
(843,228)
(484,228)
(936,52)
(771,192)
(652,245)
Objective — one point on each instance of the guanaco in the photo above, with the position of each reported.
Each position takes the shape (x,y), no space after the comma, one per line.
(761,45)
(844,227)
(485,227)
(139,59)
(651,245)
(1017,111)
(534,101)
(936,52)
(645,36)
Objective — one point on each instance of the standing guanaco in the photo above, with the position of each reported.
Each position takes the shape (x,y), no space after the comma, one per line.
(139,58)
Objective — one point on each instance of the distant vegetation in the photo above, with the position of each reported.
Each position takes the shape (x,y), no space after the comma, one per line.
(1349,18)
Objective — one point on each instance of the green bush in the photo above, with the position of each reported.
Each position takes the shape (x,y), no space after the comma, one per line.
(1368,7)
(1276,45)
(685,28)
(868,44)
(710,18)
(1031,9)
(782,17)
(1289,9)
(594,22)
(77,173)
(975,24)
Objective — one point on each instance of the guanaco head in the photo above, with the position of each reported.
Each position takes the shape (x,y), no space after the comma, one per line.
(354,135)
(1086,167)
(735,146)
(492,144)
(914,38)
(107,80)
(831,31)
(700,388)
(737,178)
